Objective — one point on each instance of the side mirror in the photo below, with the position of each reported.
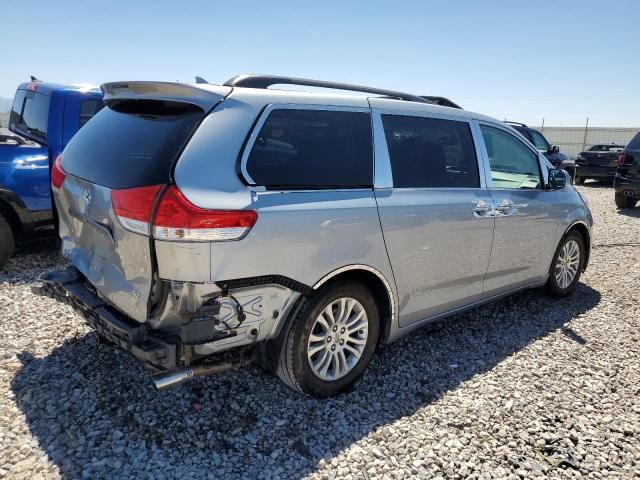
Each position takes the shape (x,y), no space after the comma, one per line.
(554,149)
(557,178)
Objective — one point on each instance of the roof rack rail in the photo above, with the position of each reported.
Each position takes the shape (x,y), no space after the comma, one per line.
(515,123)
(442,101)
(265,81)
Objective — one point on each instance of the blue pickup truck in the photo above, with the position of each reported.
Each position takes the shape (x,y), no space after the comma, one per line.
(43,118)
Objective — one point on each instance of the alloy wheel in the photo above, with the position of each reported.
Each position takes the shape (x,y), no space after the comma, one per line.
(338,338)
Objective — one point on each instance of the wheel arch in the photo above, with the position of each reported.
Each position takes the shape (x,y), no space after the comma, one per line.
(582,228)
(378,284)
(12,217)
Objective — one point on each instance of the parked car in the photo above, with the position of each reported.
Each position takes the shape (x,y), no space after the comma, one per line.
(627,178)
(551,152)
(598,161)
(43,119)
(260,221)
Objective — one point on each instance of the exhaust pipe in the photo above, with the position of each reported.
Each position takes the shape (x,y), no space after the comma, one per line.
(628,193)
(176,377)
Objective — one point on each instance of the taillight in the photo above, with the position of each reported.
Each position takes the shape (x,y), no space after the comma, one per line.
(57,173)
(133,207)
(177,219)
(621,159)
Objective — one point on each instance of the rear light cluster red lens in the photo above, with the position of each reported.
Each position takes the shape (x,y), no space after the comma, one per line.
(176,218)
(134,206)
(621,159)
(57,173)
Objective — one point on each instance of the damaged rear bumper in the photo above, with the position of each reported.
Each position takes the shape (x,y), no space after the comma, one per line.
(70,287)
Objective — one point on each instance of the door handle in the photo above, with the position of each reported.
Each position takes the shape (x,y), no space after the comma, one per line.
(505,207)
(482,209)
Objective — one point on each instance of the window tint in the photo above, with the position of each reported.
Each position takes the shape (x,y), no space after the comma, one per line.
(513,165)
(429,152)
(16,109)
(635,143)
(539,141)
(30,113)
(523,131)
(313,149)
(88,108)
(132,143)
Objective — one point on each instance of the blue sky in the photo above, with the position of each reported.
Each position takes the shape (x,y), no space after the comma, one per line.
(561,60)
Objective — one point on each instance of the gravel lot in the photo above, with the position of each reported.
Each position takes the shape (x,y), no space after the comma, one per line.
(525,387)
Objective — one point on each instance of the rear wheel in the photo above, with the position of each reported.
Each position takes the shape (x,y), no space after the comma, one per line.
(622,201)
(567,265)
(7,241)
(331,340)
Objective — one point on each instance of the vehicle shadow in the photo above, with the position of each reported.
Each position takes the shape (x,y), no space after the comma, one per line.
(594,183)
(629,212)
(36,255)
(94,413)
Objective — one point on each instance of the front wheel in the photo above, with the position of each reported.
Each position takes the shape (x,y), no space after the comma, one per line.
(7,241)
(331,340)
(567,265)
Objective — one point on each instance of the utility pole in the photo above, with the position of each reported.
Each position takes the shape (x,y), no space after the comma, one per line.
(584,140)
(542,127)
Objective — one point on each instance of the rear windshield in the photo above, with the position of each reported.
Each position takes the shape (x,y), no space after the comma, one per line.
(132,143)
(29,114)
(635,143)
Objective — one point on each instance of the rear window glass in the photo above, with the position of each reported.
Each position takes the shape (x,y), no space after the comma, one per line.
(635,143)
(29,114)
(430,152)
(313,149)
(606,148)
(131,144)
(88,108)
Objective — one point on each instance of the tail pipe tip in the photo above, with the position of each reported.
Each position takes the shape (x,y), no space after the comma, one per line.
(172,378)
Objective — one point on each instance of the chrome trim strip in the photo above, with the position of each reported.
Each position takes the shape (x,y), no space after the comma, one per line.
(392,298)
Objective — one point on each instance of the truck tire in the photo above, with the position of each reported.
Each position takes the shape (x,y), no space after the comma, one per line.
(622,201)
(330,341)
(7,241)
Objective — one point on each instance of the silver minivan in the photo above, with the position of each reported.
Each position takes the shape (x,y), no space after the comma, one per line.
(212,225)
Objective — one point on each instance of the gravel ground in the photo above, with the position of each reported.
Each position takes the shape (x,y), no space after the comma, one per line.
(525,387)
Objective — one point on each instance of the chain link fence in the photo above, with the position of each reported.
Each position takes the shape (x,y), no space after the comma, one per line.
(573,140)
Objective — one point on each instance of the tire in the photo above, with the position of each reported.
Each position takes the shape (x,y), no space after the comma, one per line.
(557,285)
(7,241)
(295,364)
(622,201)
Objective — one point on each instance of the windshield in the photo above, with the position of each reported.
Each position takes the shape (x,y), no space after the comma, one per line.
(29,114)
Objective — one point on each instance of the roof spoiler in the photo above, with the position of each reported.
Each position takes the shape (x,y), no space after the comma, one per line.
(203,96)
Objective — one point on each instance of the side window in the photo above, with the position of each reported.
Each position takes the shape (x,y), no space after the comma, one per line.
(539,141)
(513,165)
(430,152)
(298,148)
(15,117)
(88,108)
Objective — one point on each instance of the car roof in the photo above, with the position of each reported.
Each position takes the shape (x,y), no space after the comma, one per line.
(347,99)
(49,87)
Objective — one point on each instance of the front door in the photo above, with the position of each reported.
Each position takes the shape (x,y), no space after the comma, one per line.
(525,227)
(435,215)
